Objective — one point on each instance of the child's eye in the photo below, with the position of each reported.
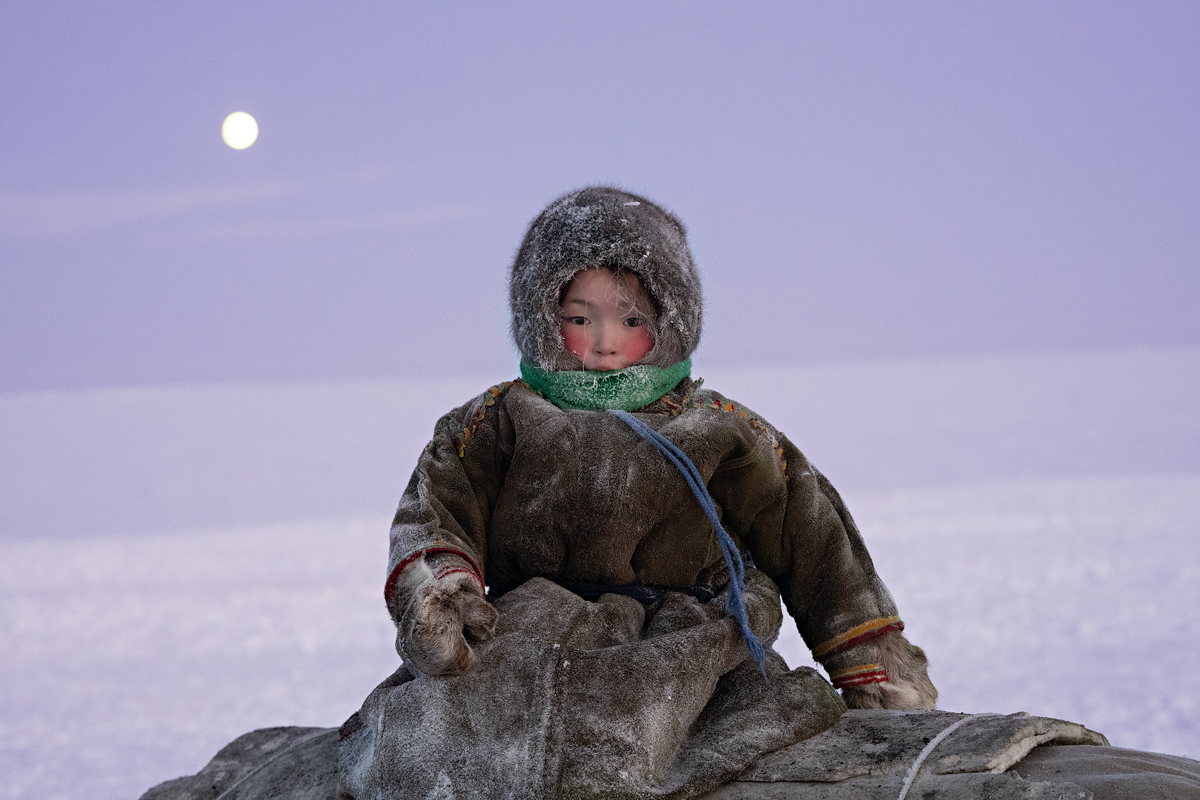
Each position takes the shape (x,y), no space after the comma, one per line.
(577,320)
(635,322)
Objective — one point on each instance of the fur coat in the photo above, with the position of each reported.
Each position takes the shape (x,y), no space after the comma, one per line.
(570,696)
(605,664)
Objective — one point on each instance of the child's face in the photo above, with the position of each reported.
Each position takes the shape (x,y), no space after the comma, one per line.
(607,319)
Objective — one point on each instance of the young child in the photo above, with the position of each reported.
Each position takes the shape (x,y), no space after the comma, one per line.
(566,577)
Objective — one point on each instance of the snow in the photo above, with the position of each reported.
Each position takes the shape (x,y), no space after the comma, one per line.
(1069,598)
(181,565)
(128,661)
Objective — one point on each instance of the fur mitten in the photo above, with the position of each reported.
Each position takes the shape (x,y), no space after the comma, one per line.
(440,620)
(906,685)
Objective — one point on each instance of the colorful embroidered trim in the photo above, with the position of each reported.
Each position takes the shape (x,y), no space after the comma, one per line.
(857,635)
(489,399)
(677,408)
(390,586)
(858,676)
(754,422)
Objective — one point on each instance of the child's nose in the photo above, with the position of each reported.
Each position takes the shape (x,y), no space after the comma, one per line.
(607,340)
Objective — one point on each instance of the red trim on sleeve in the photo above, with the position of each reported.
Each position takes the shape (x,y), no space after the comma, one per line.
(390,585)
(857,640)
(856,636)
(861,680)
(858,675)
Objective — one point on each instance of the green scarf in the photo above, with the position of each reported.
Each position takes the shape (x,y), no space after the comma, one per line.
(626,389)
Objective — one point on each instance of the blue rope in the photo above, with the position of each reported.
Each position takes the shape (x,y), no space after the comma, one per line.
(733,559)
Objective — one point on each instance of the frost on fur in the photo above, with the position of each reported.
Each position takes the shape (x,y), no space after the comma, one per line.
(441,618)
(604,227)
(907,688)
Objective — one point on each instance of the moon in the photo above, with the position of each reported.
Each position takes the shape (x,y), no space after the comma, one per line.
(239,130)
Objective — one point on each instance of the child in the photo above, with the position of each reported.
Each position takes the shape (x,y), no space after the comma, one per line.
(566,578)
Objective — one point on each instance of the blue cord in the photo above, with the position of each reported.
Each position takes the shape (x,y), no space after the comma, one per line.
(733,559)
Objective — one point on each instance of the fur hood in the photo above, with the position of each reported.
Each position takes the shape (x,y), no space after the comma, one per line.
(604,227)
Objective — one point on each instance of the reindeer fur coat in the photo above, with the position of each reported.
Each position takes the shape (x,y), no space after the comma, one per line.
(558,696)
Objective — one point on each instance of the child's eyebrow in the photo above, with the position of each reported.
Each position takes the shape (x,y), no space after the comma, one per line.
(577,302)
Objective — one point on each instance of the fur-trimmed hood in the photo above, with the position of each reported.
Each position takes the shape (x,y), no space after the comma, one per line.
(604,227)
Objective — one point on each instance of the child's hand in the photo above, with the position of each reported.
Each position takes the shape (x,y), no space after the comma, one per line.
(443,617)
(907,688)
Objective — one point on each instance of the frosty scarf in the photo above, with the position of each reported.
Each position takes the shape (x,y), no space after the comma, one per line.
(588,390)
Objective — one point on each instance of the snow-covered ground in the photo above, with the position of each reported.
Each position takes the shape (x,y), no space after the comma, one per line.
(181,565)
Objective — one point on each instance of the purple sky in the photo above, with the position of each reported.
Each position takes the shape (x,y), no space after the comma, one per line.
(860,180)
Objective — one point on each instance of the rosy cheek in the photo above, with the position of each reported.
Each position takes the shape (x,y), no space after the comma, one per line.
(636,345)
(574,338)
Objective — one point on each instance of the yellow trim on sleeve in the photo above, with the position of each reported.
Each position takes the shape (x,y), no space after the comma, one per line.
(838,674)
(858,630)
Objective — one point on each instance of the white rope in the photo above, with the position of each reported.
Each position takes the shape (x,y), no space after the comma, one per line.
(934,742)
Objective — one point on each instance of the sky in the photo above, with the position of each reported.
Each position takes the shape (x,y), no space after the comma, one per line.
(860,180)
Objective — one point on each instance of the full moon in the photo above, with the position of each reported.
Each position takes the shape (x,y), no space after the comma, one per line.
(239,130)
